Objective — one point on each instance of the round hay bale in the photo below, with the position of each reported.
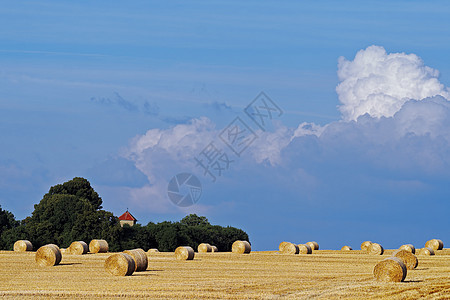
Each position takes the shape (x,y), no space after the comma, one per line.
(98,246)
(214,249)
(282,245)
(140,259)
(391,269)
(48,255)
(184,253)
(346,248)
(409,259)
(313,245)
(241,247)
(23,245)
(304,249)
(152,250)
(408,247)
(435,244)
(288,248)
(120,264)
(204,247)
(426,251)
(375,249)
(78,248)
(365,245)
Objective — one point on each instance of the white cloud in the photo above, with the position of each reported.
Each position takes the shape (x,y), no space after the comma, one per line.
(158,149)
(375,146)
(161,154)
(379,84)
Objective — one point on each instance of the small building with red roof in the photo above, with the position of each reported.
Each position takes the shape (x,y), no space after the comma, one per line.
(127,218)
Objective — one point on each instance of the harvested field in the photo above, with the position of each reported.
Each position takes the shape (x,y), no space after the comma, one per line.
(325,274)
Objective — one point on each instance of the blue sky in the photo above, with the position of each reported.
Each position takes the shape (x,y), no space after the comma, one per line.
(126,95)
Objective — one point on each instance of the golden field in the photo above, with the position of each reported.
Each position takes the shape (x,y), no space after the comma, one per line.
(325,274)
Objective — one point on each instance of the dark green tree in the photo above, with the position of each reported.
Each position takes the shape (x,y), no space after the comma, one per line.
(194,220)
(80,188)
(68,212)
(7,222)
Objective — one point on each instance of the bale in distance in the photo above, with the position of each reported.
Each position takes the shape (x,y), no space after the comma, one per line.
(214,249)
(241,247)
(313,245)
(409,259)
(346,248)
(48,255)
(140,259)
(435,244)
(282,245)
(288,248)
(375,249)
(23,245)
(152,250)
(98,246)
(391,269)
(184,253)
(78,248)
(304,249)
(426,251)
(204,247)
(408,247)
(365,245)
(120,264)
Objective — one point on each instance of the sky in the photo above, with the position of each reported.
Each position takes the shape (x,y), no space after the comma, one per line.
(357,146)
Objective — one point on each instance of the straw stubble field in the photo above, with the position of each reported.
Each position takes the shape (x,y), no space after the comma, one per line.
(267,275)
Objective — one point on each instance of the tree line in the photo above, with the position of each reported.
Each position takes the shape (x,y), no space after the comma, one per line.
(72,211)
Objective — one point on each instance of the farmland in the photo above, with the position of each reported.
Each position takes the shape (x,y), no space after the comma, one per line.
(268,275)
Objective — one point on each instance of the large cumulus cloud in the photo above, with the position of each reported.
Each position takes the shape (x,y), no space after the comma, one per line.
(379,84)
(391,148)
(392,122)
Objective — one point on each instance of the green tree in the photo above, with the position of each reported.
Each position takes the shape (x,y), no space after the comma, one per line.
(194,220)
(7,222)
(68,212)
(80,188)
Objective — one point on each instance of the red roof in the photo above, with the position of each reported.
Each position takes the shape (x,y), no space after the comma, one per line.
(127,217)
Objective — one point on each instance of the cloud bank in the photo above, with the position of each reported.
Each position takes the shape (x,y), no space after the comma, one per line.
(391,148)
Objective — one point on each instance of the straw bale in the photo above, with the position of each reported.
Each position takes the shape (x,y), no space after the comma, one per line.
(304,249)
(204,247)
(98,246)
(408,247)
(288,248)
(435,244)
(391,269)
(313,245)
(426,251)
(365,245)
(120,264)
(409,259)
(78,248)
(184,253)
(140,259)
(375,249)
(23,245)
(48,255)
(241,247)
